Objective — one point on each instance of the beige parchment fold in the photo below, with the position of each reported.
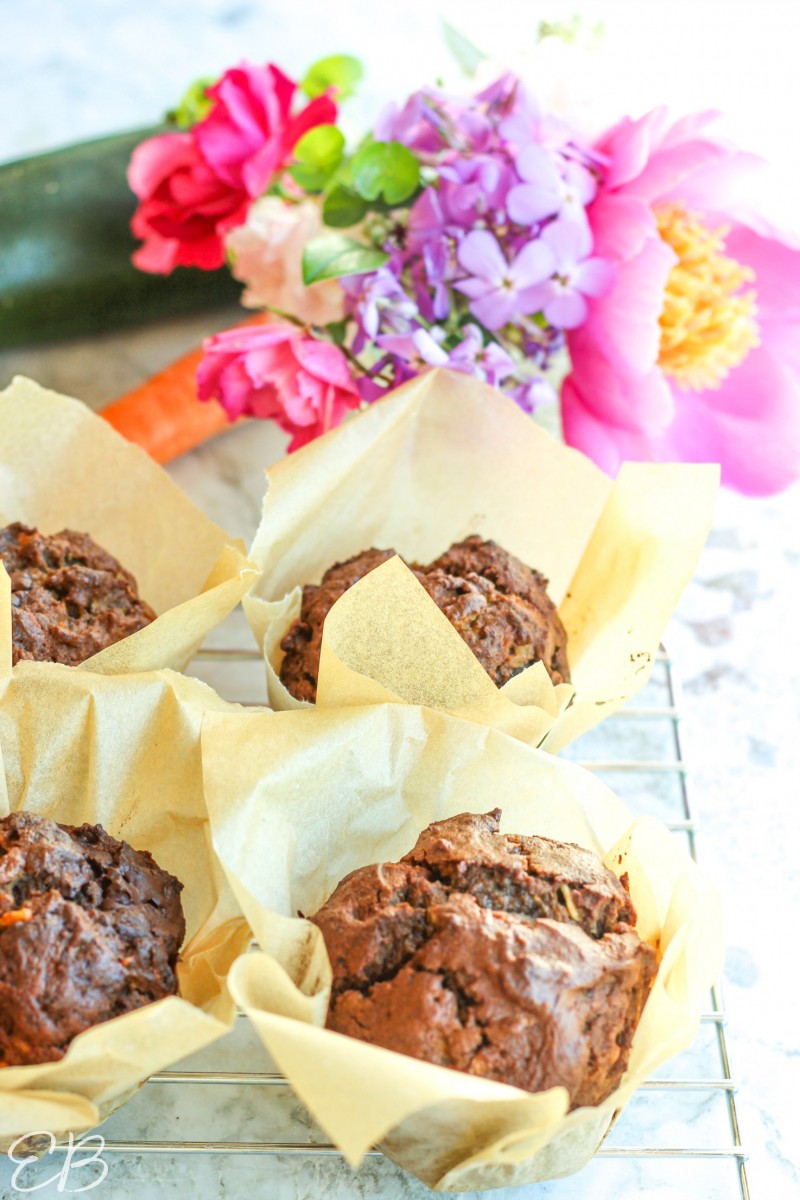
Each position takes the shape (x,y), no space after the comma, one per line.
(443,457)
(298,799)
(61,466)
(122,751)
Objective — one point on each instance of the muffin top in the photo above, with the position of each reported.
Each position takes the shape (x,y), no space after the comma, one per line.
(70,598)
(514,958)
(497,604)
(89,929)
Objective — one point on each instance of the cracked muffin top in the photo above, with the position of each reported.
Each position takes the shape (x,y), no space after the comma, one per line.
(497,604)
(513,958)
(89,929)
(70,598)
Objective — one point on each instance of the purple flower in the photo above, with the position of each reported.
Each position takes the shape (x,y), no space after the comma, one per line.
(373,299)
(499,290)
(533,394)
(576,275)
(542,192)
(418,348)
(489,362)
(546,191)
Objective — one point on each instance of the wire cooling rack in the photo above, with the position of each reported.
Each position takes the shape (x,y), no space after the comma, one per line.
(679,1134)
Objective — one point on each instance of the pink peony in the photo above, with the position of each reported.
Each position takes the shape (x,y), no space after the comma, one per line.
(274,371)
(693,354)
(267,254)
(250,132)
(194,187)
(185,210)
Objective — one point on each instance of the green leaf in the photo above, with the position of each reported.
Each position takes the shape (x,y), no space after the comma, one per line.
(337,331)
(465,52)
(343,207)
(332,255)
(317,155)
(193,105)
(339,71)
(386,169)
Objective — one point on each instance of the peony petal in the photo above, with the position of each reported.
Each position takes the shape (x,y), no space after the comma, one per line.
(688,127)
(633,402)
(669,170)
(625,321)
(629,145)
(620,225)
(722,185)
(777,271)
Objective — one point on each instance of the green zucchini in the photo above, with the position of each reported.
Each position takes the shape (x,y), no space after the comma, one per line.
(66,246)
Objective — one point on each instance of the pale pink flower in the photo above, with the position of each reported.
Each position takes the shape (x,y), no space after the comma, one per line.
(274,371)
(267,253)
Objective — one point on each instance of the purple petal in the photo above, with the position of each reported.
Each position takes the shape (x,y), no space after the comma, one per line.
(533,264)
(566,310)
(535,165)
(528,203)
(495,309)
(569,241)
(428,349)
(474,288)
(480,254)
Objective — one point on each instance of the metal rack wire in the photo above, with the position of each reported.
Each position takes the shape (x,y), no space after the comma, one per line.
(639,753)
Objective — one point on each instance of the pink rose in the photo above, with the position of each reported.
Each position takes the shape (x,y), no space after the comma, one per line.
(185,208)
(250,132)
(275,371)
(267,254)
(194,187)
(693,353)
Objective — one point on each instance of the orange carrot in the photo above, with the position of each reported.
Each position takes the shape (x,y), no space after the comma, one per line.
(12,918)
(164,416)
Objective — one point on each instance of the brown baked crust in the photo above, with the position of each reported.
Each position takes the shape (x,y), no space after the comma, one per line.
(497,604)
(302,643)
(89,929)
(509,957)
(70,598)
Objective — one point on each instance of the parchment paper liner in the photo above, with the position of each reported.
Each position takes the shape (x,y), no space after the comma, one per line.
(299,799)
(443,457)
(61,466)
(123,751)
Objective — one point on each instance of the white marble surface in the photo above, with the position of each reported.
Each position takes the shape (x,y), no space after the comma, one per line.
(71,70)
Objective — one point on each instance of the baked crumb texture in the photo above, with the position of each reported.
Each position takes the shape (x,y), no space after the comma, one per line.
(499,606)
(513,958)
(89,929)
(69,597)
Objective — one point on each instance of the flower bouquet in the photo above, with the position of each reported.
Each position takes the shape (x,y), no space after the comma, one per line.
(628,277)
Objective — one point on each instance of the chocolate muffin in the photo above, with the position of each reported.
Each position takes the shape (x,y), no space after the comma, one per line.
(70,598)
(499,606)
(513,958)
(89,929)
